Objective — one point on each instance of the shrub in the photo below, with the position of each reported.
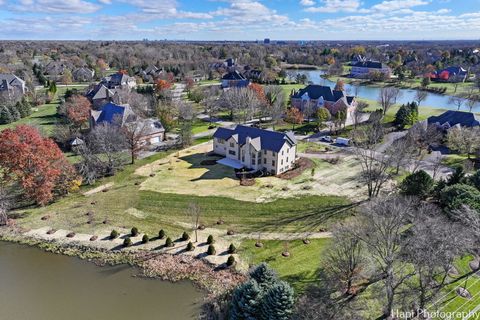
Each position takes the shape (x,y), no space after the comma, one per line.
(127,242)
(211,250)
(185,236)
(168,242)
(210,239)
(134,232)
(417,184)
(230,261)
(145,238)
(231,248)
(453,197)
(161,234)
(114,234)
(190,246)
(474,179)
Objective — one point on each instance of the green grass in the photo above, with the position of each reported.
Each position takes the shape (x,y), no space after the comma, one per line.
(162,210)
(300,268)
(46,116)
(302,147)
(454,160)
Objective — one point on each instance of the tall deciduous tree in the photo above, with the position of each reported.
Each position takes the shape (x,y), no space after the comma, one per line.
(294,116)
(388,97)
(36,163)
(77,109)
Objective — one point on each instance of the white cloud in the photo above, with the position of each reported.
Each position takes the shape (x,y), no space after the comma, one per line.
(307,3)
(393,5)
(55,6)
(332,6)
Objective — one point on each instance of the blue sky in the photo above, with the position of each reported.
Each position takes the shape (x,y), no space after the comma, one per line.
(240,19)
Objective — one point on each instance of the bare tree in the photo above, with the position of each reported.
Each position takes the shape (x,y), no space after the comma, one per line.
(135,133)
(435,244)
(388,97)
(241,102)
(276,103)
(142,104)
(401,152)
(381,228)
(358,113)
(344,260)
(464,140)
(375,165)
(420,96)
(211,101)
(194,213)
(457,101)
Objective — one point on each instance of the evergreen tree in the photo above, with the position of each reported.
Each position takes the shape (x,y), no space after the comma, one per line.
(246,300)
(5,115)
(14,112)
(264,276)
(412,117)
(278,302)
(401,116)
(417,184)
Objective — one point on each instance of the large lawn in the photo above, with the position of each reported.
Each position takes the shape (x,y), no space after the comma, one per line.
(189,173)
(300,268)
(44,116)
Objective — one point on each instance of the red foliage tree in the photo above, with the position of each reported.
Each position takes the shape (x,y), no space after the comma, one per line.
(259,92)
(36,163)
(162,85)
(78,110)
(294,116)
(189,83)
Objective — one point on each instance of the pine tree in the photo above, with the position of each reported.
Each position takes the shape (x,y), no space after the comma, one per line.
(246,301)
(264,276)
(14,112)
(5,115)
(278,303)
(401,116)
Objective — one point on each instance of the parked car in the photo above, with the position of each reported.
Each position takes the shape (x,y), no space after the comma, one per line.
(326,139)
(342,141)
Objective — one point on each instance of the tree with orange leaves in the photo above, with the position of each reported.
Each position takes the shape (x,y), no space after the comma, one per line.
(78,110)
(294,116)
(161,86)
(36,164)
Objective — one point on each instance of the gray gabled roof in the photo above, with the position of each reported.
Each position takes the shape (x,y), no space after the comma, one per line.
(261,139)
(453,118)
(316,91)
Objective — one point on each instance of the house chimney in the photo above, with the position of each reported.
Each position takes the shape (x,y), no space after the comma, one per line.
(248,140)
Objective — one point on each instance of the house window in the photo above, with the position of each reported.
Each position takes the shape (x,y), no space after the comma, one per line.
(232,152)
(281,162)
(253,162)
(264,151)
(273,163)
(282,152)
(253,155)
(222,141)
(232,145)
(264,161)
(273,153)
(243,159)
(259,161)
(287,159)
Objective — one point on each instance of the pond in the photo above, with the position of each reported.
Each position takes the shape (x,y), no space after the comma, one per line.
(433,100)
(45,286)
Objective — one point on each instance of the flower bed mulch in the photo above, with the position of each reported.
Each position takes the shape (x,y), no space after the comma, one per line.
(300,166)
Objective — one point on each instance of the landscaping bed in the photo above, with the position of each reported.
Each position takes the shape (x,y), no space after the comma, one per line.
(301,165)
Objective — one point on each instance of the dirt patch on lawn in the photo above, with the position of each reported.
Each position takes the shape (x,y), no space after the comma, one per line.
(99,189)
(300,166)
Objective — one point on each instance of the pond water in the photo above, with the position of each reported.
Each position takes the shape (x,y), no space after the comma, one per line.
(369,92)
(35,285)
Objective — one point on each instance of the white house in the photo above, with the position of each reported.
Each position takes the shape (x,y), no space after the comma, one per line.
(256,149)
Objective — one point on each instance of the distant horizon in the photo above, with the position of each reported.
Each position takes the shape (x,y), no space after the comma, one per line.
(240,20)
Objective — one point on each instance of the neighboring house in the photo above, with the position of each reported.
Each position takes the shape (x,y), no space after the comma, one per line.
(453,118)
(152,129)
(363,69)
(56,69)
(450,74)
(119,80)
(150,73)
(83,74)
(112,113)
(252,74)
(256,149)
(317,96)
(234,79)
(100,95)
(11,86)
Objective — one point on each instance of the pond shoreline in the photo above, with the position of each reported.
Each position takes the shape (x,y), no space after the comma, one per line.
(213,280)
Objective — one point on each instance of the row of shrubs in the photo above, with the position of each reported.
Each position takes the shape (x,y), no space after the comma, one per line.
(169,242)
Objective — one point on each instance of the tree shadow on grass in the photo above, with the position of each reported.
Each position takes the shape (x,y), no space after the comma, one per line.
(309,220)
(214,171)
